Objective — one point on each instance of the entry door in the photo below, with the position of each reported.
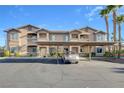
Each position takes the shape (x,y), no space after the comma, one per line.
(43,51)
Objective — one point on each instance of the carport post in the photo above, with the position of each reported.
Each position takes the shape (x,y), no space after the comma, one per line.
(89,53)
(57,55)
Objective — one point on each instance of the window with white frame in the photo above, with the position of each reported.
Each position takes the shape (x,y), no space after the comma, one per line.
(53,37)
(99,50)
(14,36)
(42,35)
(100,37)
(66,38)
(75,36)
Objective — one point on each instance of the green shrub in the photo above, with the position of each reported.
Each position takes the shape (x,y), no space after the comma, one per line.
(17,54)
(55,54)
(30,55)
(60,54)
(93,54)
(6,53)
(109,54)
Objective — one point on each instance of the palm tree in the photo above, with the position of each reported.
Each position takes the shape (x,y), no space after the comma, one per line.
(119,20)
(113,9)
(104,13)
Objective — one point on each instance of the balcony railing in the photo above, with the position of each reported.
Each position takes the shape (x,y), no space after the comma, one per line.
(31,41)
(42,39)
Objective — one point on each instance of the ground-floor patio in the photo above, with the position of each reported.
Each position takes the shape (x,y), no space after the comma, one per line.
(85,74)
(46,48)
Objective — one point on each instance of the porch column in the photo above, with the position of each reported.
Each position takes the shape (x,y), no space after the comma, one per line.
(38,51)
(47,50)
(89,48)
(57,54)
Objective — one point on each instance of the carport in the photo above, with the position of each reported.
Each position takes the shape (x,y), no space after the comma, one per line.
(89,44)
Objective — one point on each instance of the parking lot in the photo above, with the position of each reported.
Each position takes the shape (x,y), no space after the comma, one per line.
(83,75)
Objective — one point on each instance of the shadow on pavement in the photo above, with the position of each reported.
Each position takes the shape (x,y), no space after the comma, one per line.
(118,70)
(34,60)
(111,60)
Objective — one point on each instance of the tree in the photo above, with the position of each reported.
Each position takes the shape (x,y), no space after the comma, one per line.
(104,13)
(119,20)
(113,9)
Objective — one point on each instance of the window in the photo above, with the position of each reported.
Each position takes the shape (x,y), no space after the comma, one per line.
(14,36)
(99,50)
(81,50)
(53,37)
(32,49)
(75,36)
(13,49)
(100,37)
(42,35)
(83,37)
(66,38)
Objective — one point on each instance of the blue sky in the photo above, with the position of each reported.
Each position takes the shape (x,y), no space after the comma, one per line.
(53,17)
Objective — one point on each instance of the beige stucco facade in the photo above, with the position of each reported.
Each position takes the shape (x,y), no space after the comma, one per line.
(39,41)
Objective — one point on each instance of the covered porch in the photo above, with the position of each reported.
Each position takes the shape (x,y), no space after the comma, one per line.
(88,44)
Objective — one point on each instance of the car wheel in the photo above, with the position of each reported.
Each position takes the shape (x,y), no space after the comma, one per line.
(76,62)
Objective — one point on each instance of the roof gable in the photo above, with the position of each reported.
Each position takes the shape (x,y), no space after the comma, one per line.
(12,29)
(95,30)
(42,29)
(29,25)
(86,28)
(75,31)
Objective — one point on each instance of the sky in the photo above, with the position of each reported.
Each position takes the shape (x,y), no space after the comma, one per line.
(53,17)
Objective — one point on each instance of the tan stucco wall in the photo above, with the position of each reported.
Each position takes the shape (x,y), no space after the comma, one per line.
(22,42)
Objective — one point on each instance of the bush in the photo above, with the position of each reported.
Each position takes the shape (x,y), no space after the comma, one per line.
(109,54)
(93,54)
(17,54)
(6,53)
(55,54)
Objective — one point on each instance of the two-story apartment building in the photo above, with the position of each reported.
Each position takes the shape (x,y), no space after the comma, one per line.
(30,39)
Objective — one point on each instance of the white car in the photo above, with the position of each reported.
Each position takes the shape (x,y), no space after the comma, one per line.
(71,57)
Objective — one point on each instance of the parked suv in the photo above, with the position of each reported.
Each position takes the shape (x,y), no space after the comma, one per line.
(71,57)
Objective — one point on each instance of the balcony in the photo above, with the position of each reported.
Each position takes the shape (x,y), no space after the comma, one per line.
(31,41)
(42,37)
(84,38)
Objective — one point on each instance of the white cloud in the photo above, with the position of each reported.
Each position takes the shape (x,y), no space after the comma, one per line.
(93,13)
(95,10)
